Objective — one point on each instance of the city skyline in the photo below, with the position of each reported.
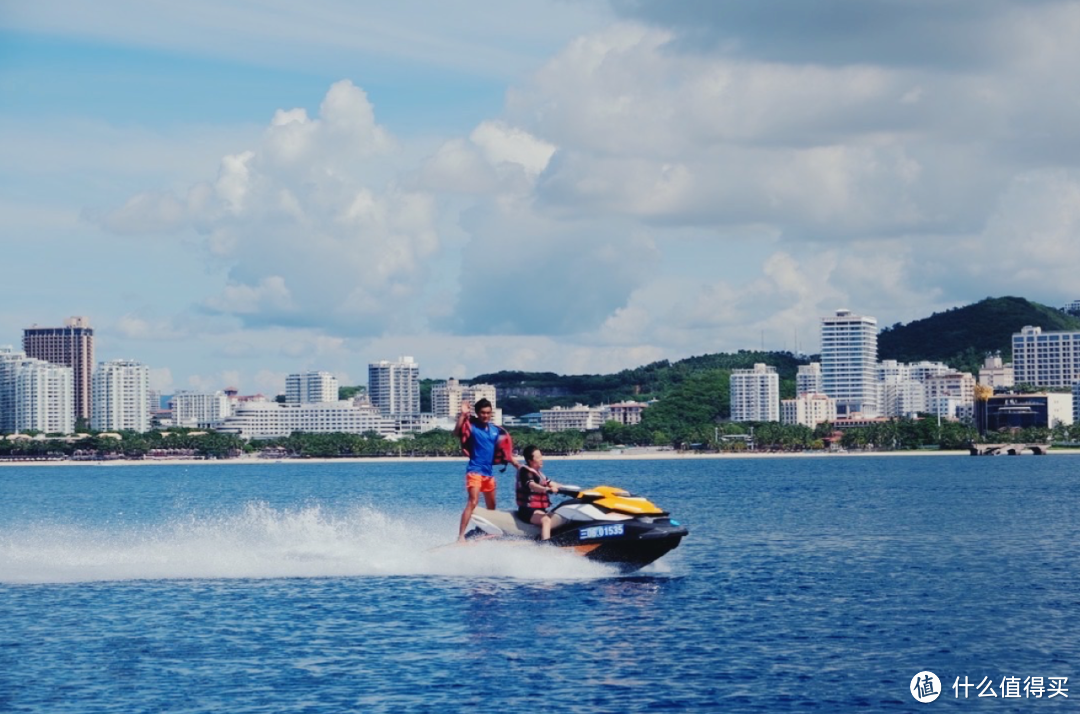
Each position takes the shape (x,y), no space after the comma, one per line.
(545,186)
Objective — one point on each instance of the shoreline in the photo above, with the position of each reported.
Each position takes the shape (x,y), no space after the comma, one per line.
(625,455)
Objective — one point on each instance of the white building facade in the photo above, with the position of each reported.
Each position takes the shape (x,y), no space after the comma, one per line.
(446,398)
(119,400)
(43,397)
(808,380)
(394,387)
(9,362)
(576,418)
(951,395)
(849,362)
(199,410)
(1046,359)
(996,374)
(625,413)
(808,409)
(264,419)
(308,387)
(755,394)
(901,386)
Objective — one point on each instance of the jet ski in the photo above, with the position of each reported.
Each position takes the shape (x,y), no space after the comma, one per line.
(604,523)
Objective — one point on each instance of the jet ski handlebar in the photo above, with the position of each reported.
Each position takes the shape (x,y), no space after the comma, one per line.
(569,490)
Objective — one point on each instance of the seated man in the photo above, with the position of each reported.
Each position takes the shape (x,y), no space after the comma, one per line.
(533,489)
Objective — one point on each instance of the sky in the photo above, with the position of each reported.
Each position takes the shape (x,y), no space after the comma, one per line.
(233,191)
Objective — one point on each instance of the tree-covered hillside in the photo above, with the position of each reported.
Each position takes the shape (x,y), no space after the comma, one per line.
(962,337)
(525,392)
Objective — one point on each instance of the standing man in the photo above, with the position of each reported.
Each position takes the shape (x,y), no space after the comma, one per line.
(486,445)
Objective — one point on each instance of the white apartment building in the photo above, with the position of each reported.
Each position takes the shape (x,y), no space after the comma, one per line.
(200,410)
(9,361)
(755,394)
(625,413)
(994,373)
(1076,403)
(576,418)
(924,370)
(308,387)
(1046,359)
(43,397)
(808,380)
(849,362)
(446,398)
(119,400)
(901,386)
(265,419)
(899,397)
(394,387)
(808,409)
(950,395)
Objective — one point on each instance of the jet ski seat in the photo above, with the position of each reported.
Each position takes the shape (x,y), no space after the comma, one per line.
(508,523)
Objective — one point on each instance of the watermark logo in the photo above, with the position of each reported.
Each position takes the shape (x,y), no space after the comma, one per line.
(925,687)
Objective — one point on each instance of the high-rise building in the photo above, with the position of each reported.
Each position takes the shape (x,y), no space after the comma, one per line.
(394,387)
(808,409)
(995,373)
(311,387)
(1046,359)
(446,398)
(199,409)
(43,397)
(120,402)
(9,362)
(71,345)
(808,379)
(35,395)
(849,362)
(948,393)
(755,394)
(902,386)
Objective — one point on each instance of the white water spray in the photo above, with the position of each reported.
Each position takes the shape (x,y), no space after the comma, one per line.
(264,542)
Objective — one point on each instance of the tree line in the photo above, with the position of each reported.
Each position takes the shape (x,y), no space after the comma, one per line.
(892,435)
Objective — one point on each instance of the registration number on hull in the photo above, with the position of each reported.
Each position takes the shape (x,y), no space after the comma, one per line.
(593,532)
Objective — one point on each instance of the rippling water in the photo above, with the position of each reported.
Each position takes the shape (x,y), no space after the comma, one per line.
(819,584)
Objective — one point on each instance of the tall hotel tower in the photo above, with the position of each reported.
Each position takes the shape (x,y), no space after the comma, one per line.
(120,402)
(394,387)
(72,346)
(309,387)
(849,362)
(755,394)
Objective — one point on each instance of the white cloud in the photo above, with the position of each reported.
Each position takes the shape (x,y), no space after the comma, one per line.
(308,236)
(271,294)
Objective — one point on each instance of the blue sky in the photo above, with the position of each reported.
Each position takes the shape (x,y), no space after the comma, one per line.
(234,191)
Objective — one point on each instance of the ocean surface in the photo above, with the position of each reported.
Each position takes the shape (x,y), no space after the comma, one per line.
(806,584)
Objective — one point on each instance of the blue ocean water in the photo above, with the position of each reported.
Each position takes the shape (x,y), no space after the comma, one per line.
(806,584)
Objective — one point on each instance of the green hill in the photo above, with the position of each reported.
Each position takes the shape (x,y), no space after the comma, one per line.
(525,392)
(962,337)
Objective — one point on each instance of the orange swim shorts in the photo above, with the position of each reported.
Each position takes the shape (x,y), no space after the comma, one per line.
(486,484)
